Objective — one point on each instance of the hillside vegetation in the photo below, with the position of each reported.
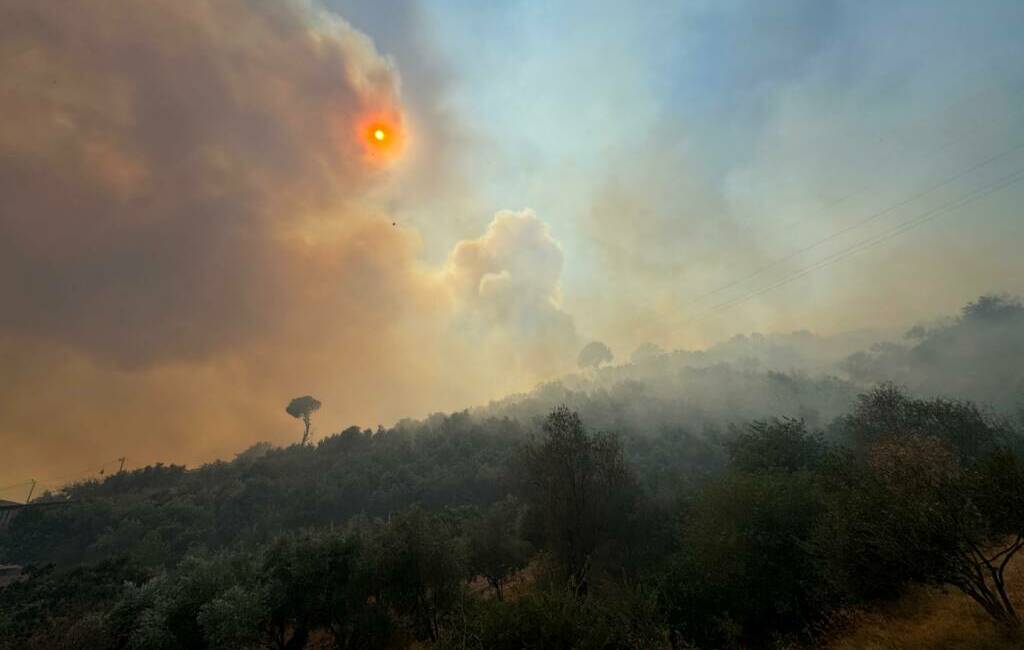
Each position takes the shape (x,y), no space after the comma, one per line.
(653,505)
(929,618)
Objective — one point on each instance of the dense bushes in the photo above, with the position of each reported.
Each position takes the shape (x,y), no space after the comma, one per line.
(476,534)
(922,491)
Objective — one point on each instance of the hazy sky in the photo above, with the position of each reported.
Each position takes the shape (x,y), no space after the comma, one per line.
(676,147)
(194,229)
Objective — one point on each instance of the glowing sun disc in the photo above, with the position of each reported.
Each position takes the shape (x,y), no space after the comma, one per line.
(381,136)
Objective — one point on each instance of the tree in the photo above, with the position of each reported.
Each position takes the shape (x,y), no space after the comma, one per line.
(744,571)
(917,511)
(776,445)
(167,611)
(594,354)
(303,407)
(418,570)
(316,580)
(646,352)
(579,490)
(887,412)
(50,606)
(958,526)
(993,308)
(235,619)
(496,550)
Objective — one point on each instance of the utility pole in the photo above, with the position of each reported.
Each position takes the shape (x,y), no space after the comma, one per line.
(30,491)
(121,468)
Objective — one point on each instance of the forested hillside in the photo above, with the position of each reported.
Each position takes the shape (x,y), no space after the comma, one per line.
(974,355)
(455,325)
(658,504)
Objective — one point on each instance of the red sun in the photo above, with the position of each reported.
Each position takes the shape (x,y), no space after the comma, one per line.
(382,136)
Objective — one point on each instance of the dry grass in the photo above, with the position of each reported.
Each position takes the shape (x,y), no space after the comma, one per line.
(515,587)
(933,619)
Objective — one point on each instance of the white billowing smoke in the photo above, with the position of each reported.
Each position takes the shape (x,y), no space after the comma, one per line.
(507,294)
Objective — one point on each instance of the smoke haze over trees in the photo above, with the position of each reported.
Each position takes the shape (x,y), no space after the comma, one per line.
(660,502)
(585,324)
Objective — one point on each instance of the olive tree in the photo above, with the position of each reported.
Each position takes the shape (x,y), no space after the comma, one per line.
(936,497)
(579,492)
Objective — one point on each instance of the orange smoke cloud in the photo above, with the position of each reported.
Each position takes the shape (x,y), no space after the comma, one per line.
(185,245)
(157,178)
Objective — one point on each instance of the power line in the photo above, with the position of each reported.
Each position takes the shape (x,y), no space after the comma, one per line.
(989,68)
(87,472)
(961,137)
(870,242)
(957,139)
(872,217)
(14,485)
(66,477)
